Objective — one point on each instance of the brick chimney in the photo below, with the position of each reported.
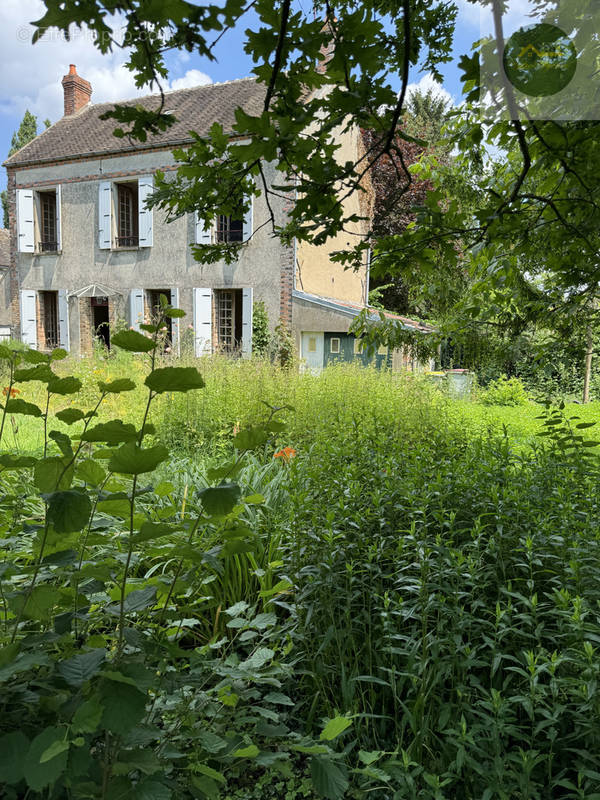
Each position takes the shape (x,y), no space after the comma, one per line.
(77,91)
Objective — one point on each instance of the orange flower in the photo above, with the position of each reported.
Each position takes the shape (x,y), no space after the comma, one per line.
(13,392)
(286,453)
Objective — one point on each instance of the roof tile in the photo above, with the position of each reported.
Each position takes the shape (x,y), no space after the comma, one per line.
(84,134)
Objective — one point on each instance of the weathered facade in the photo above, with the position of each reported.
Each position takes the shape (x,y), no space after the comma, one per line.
(5,314)
(87,255)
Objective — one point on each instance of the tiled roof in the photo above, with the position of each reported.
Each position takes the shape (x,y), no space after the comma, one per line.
(4,248)
(354,309)
(84,134)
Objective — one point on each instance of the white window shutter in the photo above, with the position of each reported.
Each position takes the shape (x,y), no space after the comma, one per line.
(25,225)
(247,300)
(203,232)
(145,189)
(29,317)
(105,215)
(59,218)
(203,322)
(248,227)
(63,318)
(136,308)
(175,331)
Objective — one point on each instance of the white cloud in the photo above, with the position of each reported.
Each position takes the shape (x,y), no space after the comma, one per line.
(31,75)
(426,84)
(193,77)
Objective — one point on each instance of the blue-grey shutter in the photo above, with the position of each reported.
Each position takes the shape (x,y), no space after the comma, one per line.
(58,218)
(203,231)
(25,227)
(63,318)
(247,299)
(105,215)
(203,322)
(29,317)
(175,331)
(136,308)
(145,189)
(248,226)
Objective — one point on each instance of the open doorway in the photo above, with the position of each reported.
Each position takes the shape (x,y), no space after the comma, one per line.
(153,300)
(100,320)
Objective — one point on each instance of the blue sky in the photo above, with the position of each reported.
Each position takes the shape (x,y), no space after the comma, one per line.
(31,74)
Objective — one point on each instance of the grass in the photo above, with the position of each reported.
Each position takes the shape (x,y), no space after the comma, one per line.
(202,422)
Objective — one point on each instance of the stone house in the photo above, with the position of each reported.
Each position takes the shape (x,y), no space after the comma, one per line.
(87,254)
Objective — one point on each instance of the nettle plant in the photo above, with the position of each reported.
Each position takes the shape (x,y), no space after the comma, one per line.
(108,689)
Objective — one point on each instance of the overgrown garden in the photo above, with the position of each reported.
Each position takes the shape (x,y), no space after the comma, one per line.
(223,593)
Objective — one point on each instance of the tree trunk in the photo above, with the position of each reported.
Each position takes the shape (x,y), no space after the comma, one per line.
(589,352)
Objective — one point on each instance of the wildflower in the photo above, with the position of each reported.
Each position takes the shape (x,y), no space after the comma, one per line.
(13,392)
(167,349)
(286,453)
(190,327)
(237,428)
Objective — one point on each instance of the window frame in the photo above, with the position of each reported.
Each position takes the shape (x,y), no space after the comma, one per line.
(126,237)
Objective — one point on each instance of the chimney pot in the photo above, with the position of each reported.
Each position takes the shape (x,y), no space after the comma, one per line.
(77,91)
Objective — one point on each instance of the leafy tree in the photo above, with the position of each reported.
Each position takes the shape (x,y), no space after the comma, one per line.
(548,188)
(26,132)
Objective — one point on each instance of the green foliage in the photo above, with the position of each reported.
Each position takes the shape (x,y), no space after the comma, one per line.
(504,392)
(261,335)
(26,132)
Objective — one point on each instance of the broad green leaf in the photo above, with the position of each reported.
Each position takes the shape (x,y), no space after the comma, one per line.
(334,727)
(328,779)
(174,379)
(39,775)
(90,471)
(116,387)
(278,699)
(132,341)
(263,621)
(258,659)
(164,488)
(8,653)
(63,386)
(219,501)
(144,761)
(63,441)
(282,587)
(40,603)
(41,372)
(204,769)
(237,608)
(87,717)
(35,357)
(124,706)
(13,749)
(251,751)
(70,415)
(80,668)
(18,406)
(250,438)
(113,432)
(140,599)
(311,750)
(131,459)
(52,473)
(55,749)
(175,313)
(9,461)
(58,354)
(211,742)
(229,470)
(151,790)
(69,511)
(153,530)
